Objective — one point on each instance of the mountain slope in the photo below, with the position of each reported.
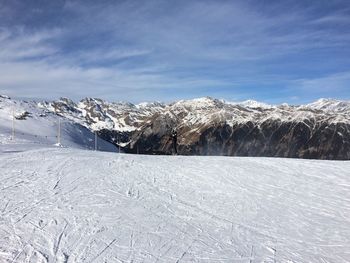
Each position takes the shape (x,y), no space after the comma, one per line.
(212,127)
(208,126)
(40,127)
(66,205)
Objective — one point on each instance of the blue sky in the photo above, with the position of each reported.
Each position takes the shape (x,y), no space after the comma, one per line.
(272,51)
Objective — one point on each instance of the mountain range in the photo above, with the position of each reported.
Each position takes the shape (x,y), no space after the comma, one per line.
(208,126)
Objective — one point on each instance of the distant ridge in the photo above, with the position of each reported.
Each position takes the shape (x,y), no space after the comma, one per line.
(208,126)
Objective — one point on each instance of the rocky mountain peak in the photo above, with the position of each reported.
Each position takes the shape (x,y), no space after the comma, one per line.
(210,126)
(330,105)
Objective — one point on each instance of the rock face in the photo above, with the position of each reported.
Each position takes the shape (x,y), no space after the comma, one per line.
(207,126)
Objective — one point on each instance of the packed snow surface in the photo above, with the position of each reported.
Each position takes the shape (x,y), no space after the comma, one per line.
(70,205)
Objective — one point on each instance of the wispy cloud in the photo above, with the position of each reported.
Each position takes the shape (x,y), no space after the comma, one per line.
(333,83)
(162,50)
(18,45)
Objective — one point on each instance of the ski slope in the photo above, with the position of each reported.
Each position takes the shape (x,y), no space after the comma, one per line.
(69,205)
(40,128)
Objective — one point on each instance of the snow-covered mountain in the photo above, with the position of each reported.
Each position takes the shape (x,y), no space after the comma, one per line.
(74,206)
(331,105)
(98,114)
(209,126)
(37,126)
(64,204)
(121,116)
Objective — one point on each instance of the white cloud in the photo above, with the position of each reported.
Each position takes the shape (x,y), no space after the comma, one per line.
(17,44)
(134,50)
(330,83)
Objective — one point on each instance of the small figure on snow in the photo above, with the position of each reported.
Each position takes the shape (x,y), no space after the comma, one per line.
(174,141)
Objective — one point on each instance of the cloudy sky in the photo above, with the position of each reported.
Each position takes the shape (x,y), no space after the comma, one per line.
(274,51)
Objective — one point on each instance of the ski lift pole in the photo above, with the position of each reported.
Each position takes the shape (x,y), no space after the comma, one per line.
(95,141)
(13,125)
(118,143)
(59,132)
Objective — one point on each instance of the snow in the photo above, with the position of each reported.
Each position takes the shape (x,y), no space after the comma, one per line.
(198,103)
(330,105)
(62,203)
(40,128)
(203,111)
(124,117)
(146,105)
(255,104)
(71,205)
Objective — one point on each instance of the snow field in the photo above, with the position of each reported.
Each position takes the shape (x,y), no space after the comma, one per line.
(68,205)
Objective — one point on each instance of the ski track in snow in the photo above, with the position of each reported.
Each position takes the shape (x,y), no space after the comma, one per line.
(65,205)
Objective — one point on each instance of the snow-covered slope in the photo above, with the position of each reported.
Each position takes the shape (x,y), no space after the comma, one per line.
(66,205)
(208,126)
(98,114)
(254,104)
(37,126)
(122,117)
(330,105)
